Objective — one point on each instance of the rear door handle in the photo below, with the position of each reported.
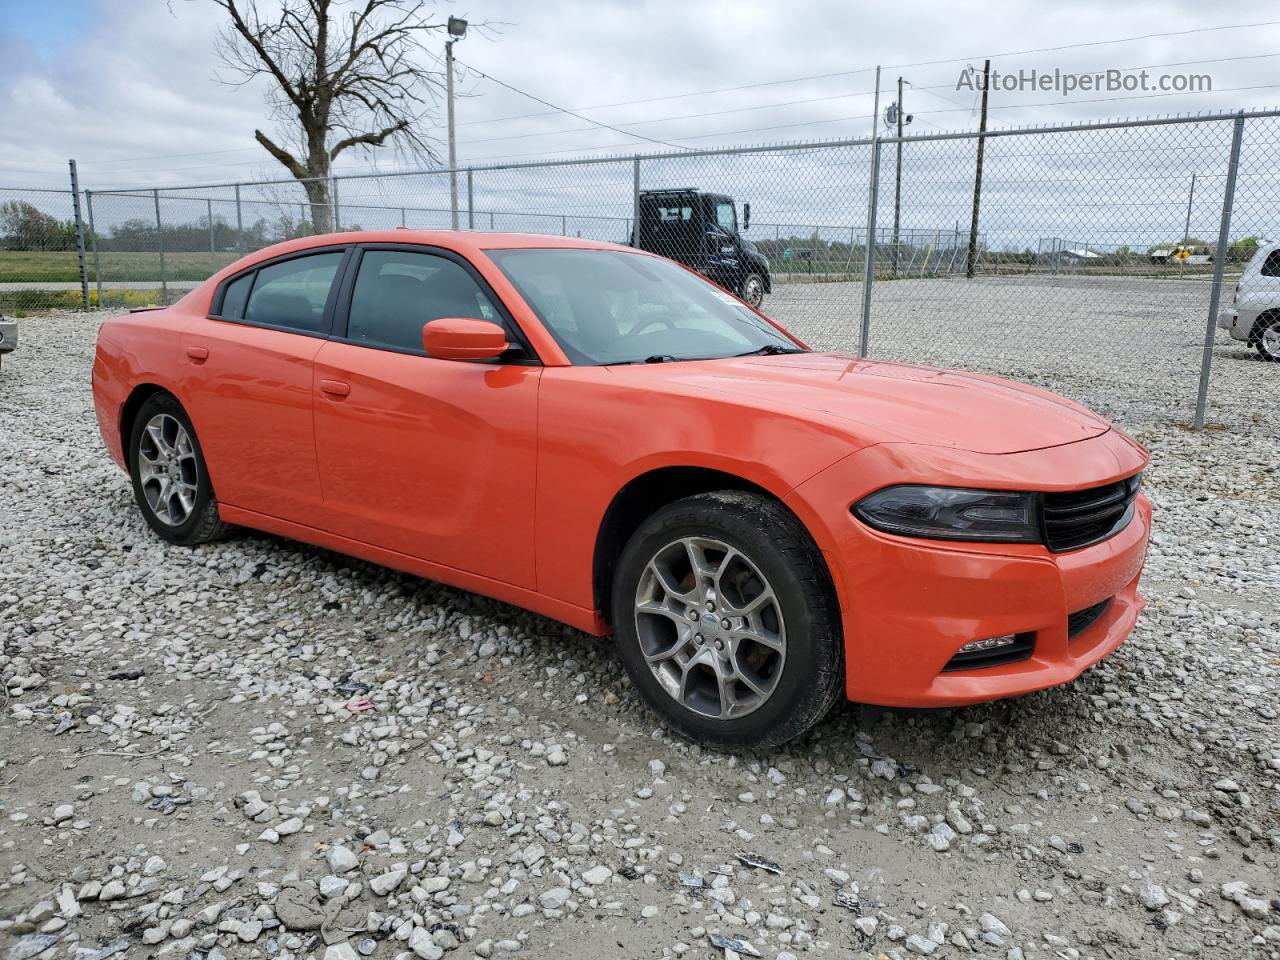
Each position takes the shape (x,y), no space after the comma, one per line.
(335,388)
(198,354)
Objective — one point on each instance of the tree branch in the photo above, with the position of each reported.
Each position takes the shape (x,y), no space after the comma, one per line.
(256,43)
(368,139)
(283,155)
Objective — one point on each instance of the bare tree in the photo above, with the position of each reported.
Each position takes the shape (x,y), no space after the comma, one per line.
(343,76)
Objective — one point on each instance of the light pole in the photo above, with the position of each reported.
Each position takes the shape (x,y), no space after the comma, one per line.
(457,30)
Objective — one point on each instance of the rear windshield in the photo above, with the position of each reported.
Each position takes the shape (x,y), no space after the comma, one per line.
(610,306)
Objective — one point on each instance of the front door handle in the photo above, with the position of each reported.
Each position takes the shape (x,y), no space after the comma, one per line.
(198,354)
(335,388)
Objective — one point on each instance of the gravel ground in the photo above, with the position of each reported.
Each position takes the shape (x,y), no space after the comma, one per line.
(257,748)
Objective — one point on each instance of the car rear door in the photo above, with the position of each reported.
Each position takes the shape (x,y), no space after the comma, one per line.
(250,383)
(431,458)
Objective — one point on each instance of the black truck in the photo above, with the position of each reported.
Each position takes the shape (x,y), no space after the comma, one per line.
(701,231)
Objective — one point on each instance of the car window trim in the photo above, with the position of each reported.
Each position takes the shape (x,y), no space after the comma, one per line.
(342,313)
(330,304)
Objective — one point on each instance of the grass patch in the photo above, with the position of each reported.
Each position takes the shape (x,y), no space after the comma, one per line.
(22,303)
(38,266)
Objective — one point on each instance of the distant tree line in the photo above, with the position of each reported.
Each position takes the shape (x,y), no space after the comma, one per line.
(23,226)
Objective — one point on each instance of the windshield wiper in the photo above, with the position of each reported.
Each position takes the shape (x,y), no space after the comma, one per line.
(770,350)
(661,358)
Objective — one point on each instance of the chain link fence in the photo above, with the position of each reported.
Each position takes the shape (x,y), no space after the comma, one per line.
(1088,258)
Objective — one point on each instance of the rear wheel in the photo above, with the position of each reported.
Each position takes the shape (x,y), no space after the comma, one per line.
(170,481)
(752,289)
(726,620)
(1266,337)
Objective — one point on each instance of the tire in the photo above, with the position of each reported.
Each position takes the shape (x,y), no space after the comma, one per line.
(1265,337)
(752,289)
(789,647)
(188,514)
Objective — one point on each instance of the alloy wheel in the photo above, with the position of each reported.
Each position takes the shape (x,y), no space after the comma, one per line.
(1270,341)
(753,291)
(710,627)
(167,469)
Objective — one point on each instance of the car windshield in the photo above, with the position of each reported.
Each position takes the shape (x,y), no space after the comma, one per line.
(610,306)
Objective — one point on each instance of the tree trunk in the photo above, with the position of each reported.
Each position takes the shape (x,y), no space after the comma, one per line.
(321,204)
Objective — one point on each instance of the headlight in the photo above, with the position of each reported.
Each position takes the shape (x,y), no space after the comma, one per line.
(951,513)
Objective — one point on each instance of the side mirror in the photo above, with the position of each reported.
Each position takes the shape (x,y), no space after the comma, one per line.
(746,216)
(460,338)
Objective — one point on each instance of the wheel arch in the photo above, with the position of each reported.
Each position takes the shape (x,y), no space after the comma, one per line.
(641,497)
(1262,320)
(129,411)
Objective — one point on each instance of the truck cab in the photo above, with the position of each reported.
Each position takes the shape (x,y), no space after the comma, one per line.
(701,231)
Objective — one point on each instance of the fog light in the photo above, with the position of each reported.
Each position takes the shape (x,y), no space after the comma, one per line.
(991,643)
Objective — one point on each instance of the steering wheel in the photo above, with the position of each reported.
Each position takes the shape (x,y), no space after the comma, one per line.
(644,325)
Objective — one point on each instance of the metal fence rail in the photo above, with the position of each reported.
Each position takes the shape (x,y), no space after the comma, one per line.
(1100,258)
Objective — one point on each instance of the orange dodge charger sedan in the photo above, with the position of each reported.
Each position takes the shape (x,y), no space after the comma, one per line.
(605,437)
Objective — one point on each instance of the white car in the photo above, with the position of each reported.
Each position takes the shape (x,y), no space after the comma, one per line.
(1254,314)
(8,337)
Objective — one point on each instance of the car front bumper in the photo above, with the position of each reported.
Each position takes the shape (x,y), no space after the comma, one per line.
(909,605)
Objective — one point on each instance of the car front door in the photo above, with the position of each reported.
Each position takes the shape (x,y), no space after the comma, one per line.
(434,459)
(250,384)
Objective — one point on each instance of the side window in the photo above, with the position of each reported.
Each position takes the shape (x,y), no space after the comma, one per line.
(398,291)
(726,217)
(233,299)
(293,293)
(1271,265)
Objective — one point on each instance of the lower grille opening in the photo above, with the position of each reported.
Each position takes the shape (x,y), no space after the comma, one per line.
(1082,620)
(1020,649)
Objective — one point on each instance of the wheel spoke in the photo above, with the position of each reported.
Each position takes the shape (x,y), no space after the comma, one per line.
(711,627)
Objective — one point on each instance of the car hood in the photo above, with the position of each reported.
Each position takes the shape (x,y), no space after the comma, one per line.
(897,402)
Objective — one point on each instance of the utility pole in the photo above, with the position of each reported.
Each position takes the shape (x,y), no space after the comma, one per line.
(897,185)
(971,260)
(875,110)
(457,30)
(1186,229)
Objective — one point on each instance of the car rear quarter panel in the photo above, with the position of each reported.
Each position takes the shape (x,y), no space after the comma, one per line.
(599,429)
(132,350)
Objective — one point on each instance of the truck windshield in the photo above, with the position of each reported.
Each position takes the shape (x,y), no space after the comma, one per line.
(607,306)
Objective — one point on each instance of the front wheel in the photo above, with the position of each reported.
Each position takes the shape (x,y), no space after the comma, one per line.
(1266,338)
(170,479)
(726,620)
(752,289)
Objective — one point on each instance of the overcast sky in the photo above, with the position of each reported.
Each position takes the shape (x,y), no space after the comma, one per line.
(129,87)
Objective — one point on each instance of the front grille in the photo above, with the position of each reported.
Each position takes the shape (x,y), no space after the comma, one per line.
(1083,517)
(1082,620)
(1020,649)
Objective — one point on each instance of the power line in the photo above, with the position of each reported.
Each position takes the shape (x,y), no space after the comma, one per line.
(548,103)
(904,66)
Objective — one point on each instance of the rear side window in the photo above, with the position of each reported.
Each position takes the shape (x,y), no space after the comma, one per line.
(398,291)
(293,293)
(235,297)
(1271,265)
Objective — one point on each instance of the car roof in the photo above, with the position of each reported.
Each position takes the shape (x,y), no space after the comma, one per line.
(462,241)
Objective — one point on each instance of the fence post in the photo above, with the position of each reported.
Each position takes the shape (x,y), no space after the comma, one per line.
(1219,264)
(869,257)
(333,193)
(471,203)
(239,225)
(213,260)
(164,282)
(93,245)
(75,204)
(635,202)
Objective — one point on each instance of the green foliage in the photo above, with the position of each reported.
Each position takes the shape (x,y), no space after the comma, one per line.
(26,227)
